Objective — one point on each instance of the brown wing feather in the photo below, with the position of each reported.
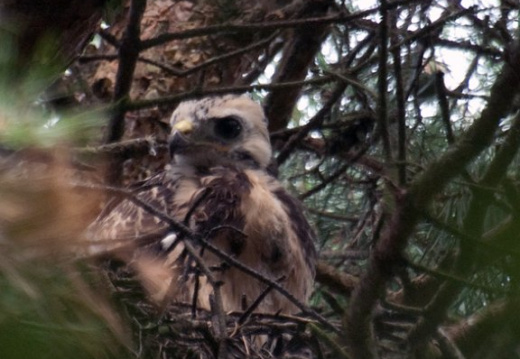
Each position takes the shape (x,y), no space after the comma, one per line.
(126,221)
(300,226)
(245,213)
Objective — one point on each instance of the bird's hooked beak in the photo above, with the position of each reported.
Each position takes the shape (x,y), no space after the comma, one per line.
(179,139)
(184,126)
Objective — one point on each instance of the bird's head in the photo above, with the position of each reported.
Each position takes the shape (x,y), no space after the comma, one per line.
(221,130)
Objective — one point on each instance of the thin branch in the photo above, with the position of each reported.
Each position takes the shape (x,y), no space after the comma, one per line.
(198,93)
(443,105)
(468,46)
(334,176)
(325,337)
(128,54)
(83,59)
(179,72)
(451,278)
(218,305)
(314,122)
(334,216)
(298,55)
(108,37)
(478,331)
(236,263)
(264,26)
(186,232)
(448,348)
(427,30)
(125,149)
(388,250)
(336,280)
(382,82)
(354,83)
(247,313)
(212,61)
(485,246)
(337,174)
(473,227)
(400,100)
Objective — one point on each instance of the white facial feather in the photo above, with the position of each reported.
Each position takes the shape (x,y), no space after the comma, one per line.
(254,141)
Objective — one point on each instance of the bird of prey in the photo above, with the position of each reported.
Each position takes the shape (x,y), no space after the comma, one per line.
(217,184)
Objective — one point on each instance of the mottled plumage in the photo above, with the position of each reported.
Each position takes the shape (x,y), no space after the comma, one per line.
(217,184)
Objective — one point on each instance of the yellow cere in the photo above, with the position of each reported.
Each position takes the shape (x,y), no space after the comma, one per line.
(184,126)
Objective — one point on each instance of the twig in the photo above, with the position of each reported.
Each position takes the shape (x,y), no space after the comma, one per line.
(334,176)
(218,307)
(273,25)
(127,53)
(195,296)
(108,37)
(198,93)
(334,216)
(468,46)
(82,59)
(188,233)
(338,281)
(338,172)
(124,149)
(247,313)
(298,54)
(213,60)
(473,226)
(382,82)
(314,122)
(185,232)
(178,72)
(426,30)
(410,204)
(453,278)
(236,263)
(327,339)
(444,106)
(400,100)
(448,347)
(485,245)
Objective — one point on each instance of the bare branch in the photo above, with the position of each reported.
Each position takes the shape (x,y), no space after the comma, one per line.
(188,234)
(128,54)
(273,25)
(387,253)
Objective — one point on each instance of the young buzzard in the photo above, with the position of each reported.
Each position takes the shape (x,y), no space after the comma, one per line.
(217,184)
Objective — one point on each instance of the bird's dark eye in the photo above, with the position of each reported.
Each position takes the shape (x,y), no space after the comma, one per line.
(228,128)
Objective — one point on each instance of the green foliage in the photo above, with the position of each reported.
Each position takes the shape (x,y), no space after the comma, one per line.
(48,305)
(34,128)
(44,314)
